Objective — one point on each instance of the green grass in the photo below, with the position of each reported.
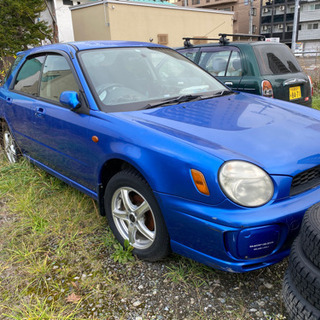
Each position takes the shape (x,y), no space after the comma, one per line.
(316,101)
(51,235)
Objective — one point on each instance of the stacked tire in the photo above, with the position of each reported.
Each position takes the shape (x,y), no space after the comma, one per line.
(301,286)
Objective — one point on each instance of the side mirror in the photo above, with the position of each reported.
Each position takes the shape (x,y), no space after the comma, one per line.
(70,99)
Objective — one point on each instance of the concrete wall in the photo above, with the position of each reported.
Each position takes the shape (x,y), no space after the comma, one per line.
(115,20)
(63,16)
(91,23)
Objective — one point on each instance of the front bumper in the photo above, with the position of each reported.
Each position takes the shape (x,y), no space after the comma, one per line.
(234,239)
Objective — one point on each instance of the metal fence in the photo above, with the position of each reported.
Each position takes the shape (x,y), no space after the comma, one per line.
(310,63)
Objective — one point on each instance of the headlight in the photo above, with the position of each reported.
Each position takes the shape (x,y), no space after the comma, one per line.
(245,183)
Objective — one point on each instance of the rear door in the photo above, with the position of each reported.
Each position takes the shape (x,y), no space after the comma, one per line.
(224,63)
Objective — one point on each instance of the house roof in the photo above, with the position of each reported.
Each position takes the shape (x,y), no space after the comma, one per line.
(160,2)
(149,3)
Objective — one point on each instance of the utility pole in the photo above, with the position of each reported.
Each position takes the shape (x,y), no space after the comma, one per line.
(295,26)
(251,17)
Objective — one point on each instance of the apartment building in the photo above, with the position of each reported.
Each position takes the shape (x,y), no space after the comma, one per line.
(242,10)
(277,19)
(277,22)
(309,26)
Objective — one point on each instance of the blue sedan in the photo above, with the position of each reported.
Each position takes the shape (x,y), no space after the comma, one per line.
(175,159)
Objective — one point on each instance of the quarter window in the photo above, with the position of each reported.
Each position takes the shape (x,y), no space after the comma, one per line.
(56,78)
(276,59)
(27,80)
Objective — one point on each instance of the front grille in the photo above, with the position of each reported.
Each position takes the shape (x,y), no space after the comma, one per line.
(305,180)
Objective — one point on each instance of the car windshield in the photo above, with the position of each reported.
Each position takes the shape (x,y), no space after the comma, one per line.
(276,59)
(126,79)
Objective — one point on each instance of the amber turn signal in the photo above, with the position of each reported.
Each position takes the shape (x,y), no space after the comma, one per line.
(95,139)
(200,182)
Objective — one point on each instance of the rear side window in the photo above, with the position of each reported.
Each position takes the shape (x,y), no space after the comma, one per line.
(222,62)
(234,66)
(56,78)
(276,59)
(27,80)
(215,62)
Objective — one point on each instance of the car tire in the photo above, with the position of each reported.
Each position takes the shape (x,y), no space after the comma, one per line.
(134,215)
(304,274)
(310,234)
(298,308)
(9,144)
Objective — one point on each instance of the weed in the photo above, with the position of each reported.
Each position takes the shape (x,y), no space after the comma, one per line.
(122,254)
(188,272)
(37,309)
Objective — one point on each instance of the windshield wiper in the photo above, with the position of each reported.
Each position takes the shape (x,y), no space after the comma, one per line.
(187,98)
(222,93)
(179,99)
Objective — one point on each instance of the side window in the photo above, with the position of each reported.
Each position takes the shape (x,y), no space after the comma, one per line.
(215,62)
(234,67)
(56,78)
(12,67)
(27,80)
(189,53)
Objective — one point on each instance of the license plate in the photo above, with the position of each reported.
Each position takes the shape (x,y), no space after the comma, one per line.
(294,93)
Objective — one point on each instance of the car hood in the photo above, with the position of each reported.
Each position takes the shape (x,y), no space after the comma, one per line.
(281,137)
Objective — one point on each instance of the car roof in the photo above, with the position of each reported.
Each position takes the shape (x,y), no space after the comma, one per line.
(231,43)
(85,45)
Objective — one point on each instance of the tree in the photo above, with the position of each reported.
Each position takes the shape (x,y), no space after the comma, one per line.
(20,25)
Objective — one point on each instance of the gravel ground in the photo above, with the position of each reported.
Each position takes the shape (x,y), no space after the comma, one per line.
(179,288)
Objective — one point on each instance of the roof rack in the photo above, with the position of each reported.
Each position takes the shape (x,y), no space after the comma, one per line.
(187,42)
(223,38)
(260,37)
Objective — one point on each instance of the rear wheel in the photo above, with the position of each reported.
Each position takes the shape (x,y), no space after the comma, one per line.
(9,145)
(134,215)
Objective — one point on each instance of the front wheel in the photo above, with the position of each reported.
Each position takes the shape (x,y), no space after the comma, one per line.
(9,145)
(134,215)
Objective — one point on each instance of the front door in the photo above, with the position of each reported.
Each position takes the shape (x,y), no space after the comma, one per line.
(50,133)
(223,63)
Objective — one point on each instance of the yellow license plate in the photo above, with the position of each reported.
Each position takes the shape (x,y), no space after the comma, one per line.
(294,93)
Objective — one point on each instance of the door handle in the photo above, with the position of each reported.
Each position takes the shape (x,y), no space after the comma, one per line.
(39,112)
(9,100)
(228,83)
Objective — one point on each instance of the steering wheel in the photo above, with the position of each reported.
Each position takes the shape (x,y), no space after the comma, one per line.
(115,93)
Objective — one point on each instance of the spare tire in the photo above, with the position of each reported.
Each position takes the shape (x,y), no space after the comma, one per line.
(304,274)
(310,234)
(298,308)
